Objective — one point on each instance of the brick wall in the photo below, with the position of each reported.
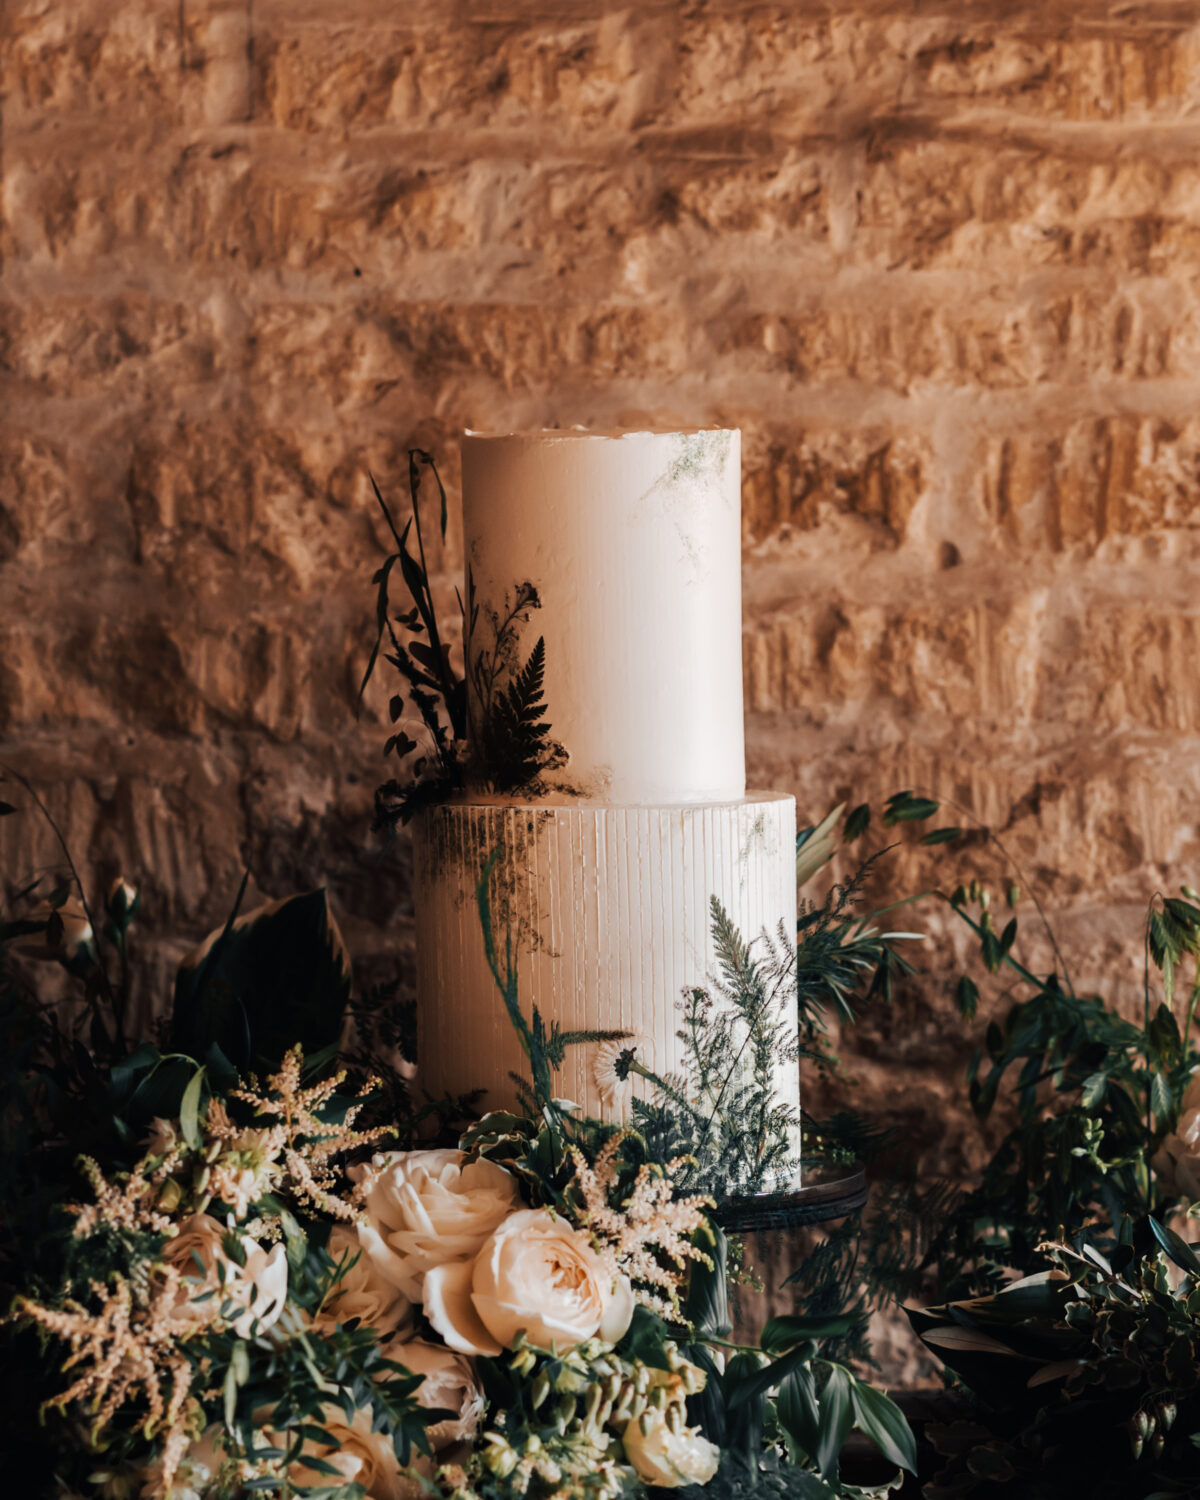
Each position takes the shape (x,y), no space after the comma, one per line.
(940,262)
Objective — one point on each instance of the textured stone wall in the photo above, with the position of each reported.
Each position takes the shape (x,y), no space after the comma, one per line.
(939,261)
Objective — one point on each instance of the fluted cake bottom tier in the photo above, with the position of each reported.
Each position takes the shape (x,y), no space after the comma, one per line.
(607,911)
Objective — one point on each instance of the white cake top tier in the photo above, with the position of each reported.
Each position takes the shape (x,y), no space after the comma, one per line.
(633,543)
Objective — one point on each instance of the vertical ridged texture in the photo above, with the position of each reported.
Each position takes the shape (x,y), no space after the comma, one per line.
(607,912)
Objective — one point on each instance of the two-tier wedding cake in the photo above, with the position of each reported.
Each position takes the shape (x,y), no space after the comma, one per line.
(622,553)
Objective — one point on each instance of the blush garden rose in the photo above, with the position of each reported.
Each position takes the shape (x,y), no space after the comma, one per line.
(450,1384)
(534,1275)
(668,1454)
(259,1286)
(427,1208)
(359,1454)
(361,1292)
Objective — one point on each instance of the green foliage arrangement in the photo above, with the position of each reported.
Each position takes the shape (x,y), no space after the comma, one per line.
(723,1112)
(228,1369)
(1089,1373)
(488,730)
(1069,1301)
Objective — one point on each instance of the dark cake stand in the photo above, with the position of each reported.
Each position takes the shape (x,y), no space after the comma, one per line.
(829,1191)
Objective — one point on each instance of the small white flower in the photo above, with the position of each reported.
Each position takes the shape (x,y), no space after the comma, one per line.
(612,1069)
(163,1136)
(123,901)
(196,1475)
(667,1454)
(73,933)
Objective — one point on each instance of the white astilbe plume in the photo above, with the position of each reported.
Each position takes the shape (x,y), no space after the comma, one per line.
(647,1236)
(128,1351)
(306,1142)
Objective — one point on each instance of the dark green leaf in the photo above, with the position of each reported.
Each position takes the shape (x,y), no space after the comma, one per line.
(785,1332)
(230,1393)
(1161,1101)
(751,1383)
(1176,1247)
(857,822)
(905,808)
(796,1406)
(941,836)
(276,978)
(745,1406)
(837,1417)
(706,1306)
(885,1424)
(646,1339)
(966,997)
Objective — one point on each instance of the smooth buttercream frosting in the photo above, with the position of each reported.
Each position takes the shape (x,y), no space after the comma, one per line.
(633,543)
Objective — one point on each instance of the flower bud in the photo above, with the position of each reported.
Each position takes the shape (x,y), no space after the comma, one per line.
(498,1455)
(170,1197)
(547,1469)
(122,902)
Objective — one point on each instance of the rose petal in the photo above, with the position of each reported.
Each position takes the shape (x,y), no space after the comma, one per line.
(387,1264)
(451,1311)
(618,1313)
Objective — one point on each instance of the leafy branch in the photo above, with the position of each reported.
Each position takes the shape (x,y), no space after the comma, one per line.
(487,729)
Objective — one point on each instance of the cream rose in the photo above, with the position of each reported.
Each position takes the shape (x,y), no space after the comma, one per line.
(163,1136)
(359,1455)
(260,1286)
(669,1455)
(427,1208)
(1177,1160)
(362,1293)
(536,1275)
(450,1384)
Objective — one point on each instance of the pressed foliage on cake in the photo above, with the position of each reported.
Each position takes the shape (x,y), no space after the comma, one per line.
(487,731)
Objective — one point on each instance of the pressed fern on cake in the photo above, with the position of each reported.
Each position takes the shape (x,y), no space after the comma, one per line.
(489,730)
(514,736)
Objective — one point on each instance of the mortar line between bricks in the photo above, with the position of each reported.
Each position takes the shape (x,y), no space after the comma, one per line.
(843,405)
